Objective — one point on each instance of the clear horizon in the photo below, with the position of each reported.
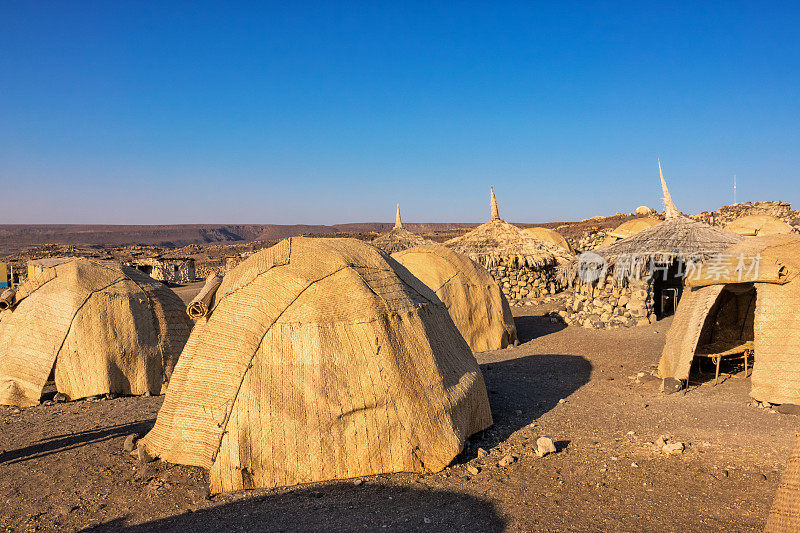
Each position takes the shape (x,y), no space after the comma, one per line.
(199,113)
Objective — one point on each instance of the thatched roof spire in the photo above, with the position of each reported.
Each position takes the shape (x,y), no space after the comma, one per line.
(495,212)
(398,223)
(670,210)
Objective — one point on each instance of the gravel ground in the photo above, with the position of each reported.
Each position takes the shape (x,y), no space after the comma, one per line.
(63,466)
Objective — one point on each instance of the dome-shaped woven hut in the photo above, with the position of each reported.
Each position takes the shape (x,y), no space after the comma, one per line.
(320,359)
(748,303)
(476,304)
(639,279)
(97,327)
(758,225)
(549,235)
(629,229)
(524,266)
(399,238)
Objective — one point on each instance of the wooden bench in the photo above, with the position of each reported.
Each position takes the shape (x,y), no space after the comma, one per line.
(731,349)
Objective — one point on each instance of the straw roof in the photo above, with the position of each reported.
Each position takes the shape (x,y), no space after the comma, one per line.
(549,235)
(629,229)
(758,225)
(398,238)
(100,327)
(497,241)
(775,321)
(331,342)
(473,298)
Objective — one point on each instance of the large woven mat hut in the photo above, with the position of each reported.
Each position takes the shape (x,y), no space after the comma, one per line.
(784,515)
(320,359)
(523,265)
(749,299)
(399,238)
(476,304)
(639,279)
(758,225)
(97,327)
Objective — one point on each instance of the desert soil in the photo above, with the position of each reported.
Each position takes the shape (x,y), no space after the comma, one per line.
(63,466)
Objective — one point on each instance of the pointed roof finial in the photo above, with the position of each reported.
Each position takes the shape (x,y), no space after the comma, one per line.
(495,212)
(397,222)
(670,210)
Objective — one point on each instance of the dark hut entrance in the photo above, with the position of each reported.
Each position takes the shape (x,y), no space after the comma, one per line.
(147,269)
(667,289)
(727,335)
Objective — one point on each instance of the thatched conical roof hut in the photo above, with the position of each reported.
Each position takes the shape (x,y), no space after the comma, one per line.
(335,344)
(497,242)
(99,327)
(476,304)
(399,238)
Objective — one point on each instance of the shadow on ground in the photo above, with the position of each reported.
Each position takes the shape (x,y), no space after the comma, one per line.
(523,389)
(533,327)
(61,443)
(337,507)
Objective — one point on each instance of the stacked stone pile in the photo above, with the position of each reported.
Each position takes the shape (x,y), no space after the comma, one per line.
(523,284)
(610,306)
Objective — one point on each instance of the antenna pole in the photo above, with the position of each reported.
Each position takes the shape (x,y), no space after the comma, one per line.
(734,188)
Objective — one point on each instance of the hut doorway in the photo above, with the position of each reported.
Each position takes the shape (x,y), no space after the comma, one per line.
(667,290)
(728,331)
(147,269)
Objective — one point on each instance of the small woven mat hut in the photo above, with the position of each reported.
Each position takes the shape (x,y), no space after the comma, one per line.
(776,315)
(497,242)
(473,298)
(549,235)
(320,359)
(399,238)
(99,327)
(629,229)
(758,225)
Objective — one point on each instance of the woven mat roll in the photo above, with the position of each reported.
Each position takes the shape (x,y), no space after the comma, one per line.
(7,299)
(199,306)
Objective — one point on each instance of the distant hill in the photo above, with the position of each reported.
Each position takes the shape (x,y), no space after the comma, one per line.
(16,237)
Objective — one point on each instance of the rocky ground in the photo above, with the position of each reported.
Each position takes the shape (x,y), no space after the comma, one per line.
(63,466)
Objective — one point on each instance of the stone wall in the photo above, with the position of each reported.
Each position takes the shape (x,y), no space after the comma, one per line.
(608,306)
(521,284)
(729,213)
(167,270)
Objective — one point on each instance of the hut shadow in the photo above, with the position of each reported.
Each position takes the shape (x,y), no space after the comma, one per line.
(532,327)
(340,506)
(522,390)
(60,443)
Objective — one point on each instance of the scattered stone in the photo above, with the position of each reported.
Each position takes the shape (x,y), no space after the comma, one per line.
(482,452)
(506,461)
(544,446)
(634,465)
(673,448)
(130,442)
(358,482)
(662,440)
(562,400)
(144,457)
(671,385)
(60,397)
(16,411)
(474,470)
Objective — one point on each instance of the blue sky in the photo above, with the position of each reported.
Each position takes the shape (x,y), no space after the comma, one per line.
(198,112)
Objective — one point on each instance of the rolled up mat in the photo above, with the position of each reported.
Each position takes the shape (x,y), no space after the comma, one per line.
(7,299)
(200,305)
